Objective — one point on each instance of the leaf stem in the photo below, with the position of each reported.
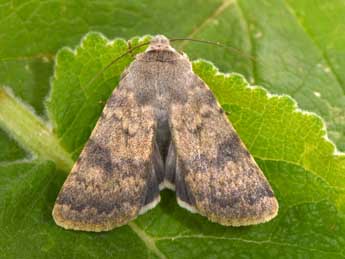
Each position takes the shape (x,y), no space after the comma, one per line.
(149,241)
(30,131)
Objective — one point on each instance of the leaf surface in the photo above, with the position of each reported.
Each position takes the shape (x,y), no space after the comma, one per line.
(292,47)
(290,146)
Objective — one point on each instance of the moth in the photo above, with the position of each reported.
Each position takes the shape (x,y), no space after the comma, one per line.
(163,128)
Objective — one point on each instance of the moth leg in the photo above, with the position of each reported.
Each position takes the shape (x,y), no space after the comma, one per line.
(158,165)
(169,169)
(174,180)
(183,196)
(152,197)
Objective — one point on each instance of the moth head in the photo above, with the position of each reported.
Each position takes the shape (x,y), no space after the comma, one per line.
(160,43)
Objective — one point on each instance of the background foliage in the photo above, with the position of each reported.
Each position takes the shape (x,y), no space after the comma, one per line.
(299,50)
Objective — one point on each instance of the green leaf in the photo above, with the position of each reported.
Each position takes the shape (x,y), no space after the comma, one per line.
(290,146)
(298,47)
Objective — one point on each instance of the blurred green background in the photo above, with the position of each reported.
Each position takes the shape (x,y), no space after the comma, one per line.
(294,47)
(298,44)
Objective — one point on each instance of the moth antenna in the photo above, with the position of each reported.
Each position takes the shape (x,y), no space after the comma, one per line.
(115,60)
(130,50)
(218,44)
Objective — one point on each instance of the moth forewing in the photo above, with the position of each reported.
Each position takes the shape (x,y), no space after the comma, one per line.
(217,175)
(162,127)
(112,181)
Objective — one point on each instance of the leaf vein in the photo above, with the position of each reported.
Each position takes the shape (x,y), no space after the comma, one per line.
(323,54)
(218,11)
(147,239)
(251,42)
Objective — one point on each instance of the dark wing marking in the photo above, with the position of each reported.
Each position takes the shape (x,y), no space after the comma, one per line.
(215,174)
(115,178)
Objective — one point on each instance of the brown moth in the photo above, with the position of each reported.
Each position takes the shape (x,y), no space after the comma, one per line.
(163,128)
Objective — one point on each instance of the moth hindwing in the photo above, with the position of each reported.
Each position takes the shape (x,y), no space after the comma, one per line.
(162,127)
